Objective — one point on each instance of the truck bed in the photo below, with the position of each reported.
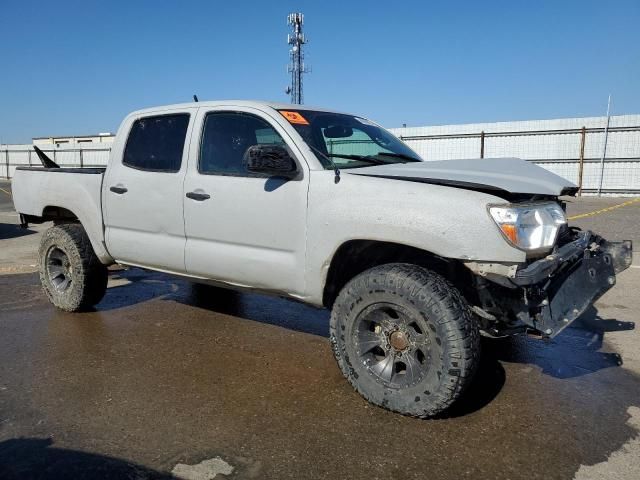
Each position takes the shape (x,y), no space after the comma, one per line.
(78,191)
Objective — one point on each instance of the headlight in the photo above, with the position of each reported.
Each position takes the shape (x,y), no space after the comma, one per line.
(529,227)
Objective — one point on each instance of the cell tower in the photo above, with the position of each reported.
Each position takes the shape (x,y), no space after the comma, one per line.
(296,67)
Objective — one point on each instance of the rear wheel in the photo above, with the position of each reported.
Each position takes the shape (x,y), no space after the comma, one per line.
(71,274)
(405,339)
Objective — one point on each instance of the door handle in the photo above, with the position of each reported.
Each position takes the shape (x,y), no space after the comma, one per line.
(118,190)
(198,196)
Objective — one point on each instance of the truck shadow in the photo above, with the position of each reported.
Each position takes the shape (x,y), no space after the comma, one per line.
(26,458)
(573,353)
(281,312)
(134,286)
(11,230)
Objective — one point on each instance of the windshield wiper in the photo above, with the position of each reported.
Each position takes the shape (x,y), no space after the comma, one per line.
(399,155)
(360,158)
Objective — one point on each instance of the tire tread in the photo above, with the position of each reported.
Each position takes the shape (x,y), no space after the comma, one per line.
(91,273)
(424,289)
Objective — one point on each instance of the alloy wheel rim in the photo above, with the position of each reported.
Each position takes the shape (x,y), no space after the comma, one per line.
(393,345)
(59,270)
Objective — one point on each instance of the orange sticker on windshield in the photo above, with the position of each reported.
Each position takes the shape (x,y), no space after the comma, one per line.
(294,117)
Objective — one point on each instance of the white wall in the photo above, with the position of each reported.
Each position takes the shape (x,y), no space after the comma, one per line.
(553,144)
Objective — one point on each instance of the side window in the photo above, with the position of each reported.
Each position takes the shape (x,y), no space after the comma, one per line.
(227,136)
(156,143)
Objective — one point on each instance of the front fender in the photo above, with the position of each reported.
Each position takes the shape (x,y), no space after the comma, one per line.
(448,222)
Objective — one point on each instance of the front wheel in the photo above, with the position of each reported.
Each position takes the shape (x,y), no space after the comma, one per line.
(70,272)
(405,339)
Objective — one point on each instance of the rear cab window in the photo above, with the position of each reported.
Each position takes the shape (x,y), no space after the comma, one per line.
(156,143)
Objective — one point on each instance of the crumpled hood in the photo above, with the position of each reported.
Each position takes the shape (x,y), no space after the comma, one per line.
(511,175)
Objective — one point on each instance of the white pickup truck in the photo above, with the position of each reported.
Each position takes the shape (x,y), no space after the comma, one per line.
(414,258)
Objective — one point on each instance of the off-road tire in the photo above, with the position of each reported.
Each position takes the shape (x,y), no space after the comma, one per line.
(453,337)
(88,277)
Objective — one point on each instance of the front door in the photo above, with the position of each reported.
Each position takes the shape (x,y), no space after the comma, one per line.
(243,228)
(143,191)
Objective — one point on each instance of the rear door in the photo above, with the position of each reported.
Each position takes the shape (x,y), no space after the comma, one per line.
(143,190)
(243,228)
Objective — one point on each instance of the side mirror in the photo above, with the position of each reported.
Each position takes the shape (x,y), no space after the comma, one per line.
(270,159)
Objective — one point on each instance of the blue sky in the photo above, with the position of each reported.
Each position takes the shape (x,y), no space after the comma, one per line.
(77,67)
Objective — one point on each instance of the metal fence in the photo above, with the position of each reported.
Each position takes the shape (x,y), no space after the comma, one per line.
(14,156)
(573,153)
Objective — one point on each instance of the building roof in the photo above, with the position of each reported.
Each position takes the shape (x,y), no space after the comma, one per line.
(103,134)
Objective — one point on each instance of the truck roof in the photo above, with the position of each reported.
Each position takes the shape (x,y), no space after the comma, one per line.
(237,103)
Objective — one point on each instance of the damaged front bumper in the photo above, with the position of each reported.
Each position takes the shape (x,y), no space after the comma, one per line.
(561,286)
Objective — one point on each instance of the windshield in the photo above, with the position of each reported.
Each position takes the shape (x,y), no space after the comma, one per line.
(345,141)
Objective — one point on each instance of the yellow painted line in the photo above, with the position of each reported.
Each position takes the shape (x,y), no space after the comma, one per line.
(8,193)
(604,210)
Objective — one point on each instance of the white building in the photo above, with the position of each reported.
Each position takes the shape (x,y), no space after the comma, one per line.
(77,141)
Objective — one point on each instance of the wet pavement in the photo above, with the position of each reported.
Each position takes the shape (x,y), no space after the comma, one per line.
(166,373)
